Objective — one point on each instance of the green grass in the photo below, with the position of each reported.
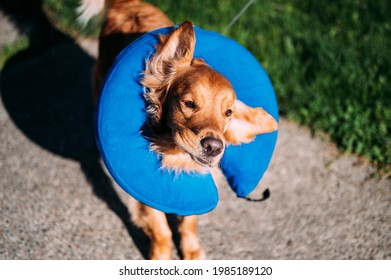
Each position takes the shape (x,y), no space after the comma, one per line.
(8,50)
(63,14)
(329,61)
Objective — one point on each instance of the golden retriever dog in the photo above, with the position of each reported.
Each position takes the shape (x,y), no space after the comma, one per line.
(193,113)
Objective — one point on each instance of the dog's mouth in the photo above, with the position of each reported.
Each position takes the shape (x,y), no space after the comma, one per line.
(200,160)
(204,162)
(203,152)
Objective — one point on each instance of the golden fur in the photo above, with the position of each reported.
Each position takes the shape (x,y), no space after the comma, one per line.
(173,78)
(192,110)
(125,21)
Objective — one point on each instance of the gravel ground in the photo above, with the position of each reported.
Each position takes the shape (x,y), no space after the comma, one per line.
(57,201)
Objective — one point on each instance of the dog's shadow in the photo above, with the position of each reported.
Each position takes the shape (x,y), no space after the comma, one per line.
(46,90)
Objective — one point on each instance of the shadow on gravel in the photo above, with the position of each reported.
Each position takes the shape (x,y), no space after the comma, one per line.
(46,90)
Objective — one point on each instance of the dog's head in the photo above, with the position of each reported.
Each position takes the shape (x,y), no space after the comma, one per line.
(195,105)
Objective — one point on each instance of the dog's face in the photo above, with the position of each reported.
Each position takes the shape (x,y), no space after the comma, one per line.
(200,106)
(197,104)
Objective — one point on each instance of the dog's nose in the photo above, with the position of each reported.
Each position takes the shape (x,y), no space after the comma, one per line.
(212,147)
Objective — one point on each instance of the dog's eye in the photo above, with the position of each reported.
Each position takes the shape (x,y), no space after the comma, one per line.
(228,113)
(190,104)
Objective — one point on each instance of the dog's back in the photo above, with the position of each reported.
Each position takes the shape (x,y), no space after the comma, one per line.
(124,21)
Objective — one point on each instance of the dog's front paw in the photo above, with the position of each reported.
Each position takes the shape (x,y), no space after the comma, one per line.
(198,254)
(191,248)
(161,252)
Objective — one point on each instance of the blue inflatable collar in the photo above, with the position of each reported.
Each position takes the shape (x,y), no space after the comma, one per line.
(120,114)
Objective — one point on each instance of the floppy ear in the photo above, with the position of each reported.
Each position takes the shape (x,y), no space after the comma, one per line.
(174,52)
(247,123)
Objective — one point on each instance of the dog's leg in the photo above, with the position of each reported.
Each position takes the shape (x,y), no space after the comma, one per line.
(191,248)
(155,225)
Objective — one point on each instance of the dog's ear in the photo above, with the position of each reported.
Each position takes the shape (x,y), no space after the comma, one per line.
(247,122)
(174,52)
(178,49)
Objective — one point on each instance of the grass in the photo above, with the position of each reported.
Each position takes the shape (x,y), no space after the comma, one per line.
(63,15)
(8,50)
(329,61)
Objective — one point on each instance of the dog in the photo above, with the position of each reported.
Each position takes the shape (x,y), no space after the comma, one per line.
(192,110)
